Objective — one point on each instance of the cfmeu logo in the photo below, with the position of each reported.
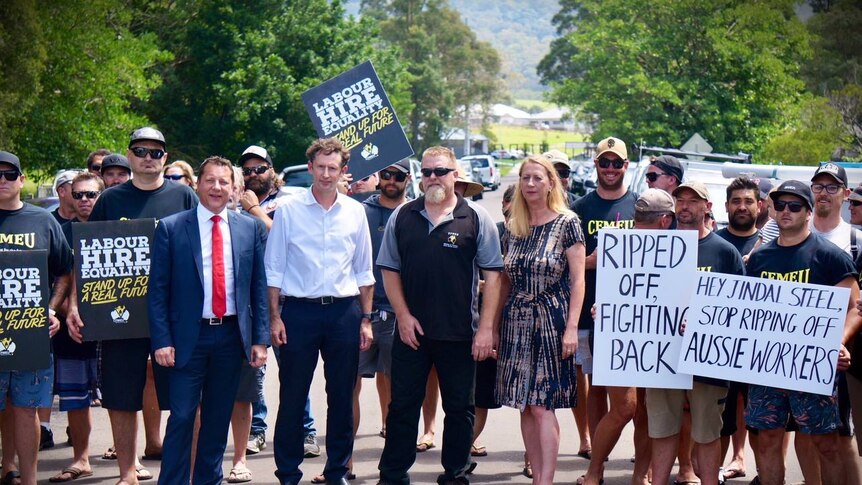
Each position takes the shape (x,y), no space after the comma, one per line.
(120,314)
(451,241)
(370,151)
(7,347)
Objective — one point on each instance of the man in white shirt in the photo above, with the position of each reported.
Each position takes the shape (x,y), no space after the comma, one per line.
(318,258)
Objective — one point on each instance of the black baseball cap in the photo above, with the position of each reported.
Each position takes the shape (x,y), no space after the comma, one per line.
(147,133)
(11,159)
(833,170)
(255,151)
(797,188)
(856,194)
(115,160)
(402,165)
(669,165)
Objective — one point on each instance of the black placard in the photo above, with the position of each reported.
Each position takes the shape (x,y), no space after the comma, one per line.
(24,294)
(354,108)
(112,268)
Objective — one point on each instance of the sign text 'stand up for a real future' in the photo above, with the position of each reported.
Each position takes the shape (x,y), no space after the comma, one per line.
(644,280)
(354,108)
(768,332)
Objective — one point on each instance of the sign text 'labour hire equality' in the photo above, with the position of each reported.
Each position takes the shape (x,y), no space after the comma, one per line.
(24,293)
(644,280)
(354,108)
(768,332)
(112,269)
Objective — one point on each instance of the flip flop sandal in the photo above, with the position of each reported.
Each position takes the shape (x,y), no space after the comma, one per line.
(424,446)
(586,454)
(322,479)
(110,454)
(478,450)
(239,475)
(142,473)
(11,478)
(70,473)
(733,473)
(583,479)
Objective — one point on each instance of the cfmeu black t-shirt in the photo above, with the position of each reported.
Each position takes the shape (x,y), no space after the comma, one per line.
(742,244)
(32,227)
(125,201)
(815,260)
(716,255)
(597,213)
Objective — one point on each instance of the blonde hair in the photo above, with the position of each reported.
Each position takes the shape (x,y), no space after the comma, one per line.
(519,222)
(440,151)
(188,172)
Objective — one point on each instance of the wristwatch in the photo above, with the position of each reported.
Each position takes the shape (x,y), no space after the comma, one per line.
(366,316)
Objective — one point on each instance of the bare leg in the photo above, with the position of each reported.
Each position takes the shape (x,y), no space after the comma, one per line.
(580,412)
(384,393)
(737,461)
(152,416)
(643,444)
(847,451)
(831,465)
(809,461)
(479,424)
(197,430)
(26,442)
(607,433)
(597,407)
(80,426)
(124,428)
(429,407)
(664,451)
(240,424)
(771,461)
(7,438)
(709,461)
(545,443)
(686,467)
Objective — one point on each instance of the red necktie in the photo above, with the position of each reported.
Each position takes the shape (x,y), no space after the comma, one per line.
(219,294)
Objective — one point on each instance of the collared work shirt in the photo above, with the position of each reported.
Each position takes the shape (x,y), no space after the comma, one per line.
(313,252)
(205,226)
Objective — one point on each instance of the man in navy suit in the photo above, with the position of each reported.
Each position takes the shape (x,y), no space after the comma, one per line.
(208,312)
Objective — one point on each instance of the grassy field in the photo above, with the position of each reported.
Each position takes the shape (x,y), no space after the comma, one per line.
(526,104)
(508,135)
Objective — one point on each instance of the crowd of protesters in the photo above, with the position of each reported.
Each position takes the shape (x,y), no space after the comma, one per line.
(423,296)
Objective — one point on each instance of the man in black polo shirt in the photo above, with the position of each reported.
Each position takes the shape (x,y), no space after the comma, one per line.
(124,362)
(430,258)
(743,205)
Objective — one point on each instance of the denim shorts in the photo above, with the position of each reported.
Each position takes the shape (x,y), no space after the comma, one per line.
(28,389)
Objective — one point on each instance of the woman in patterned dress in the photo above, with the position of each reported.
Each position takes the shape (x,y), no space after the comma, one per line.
(544,285)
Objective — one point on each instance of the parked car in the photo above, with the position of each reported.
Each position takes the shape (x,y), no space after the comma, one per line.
(296,176)
(47,203)
(488,173)
(505,154)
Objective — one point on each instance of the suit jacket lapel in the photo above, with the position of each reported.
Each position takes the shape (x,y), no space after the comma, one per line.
(194,235)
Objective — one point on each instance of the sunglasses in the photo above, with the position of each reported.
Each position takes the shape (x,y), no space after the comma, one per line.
(174,177)
(830,188)
(398,176)
(439,171)
(10,175)
(155,153)
(95,168)
(563,173)
(794,206)
(90,194)
(653,176)
(260,170)
(606,162)
(855,203)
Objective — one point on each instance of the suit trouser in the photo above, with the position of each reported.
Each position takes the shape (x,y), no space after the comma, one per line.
(456,371)
(210,379)
(330,331)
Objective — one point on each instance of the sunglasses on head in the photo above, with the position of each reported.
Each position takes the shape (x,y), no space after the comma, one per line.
(389,175)
(95,167)
(439,171)
(606,162)
(260,170)
(653,176)
(90,194)
(155,153)
(174,177)
(793,205)
(563,173)
(10,175)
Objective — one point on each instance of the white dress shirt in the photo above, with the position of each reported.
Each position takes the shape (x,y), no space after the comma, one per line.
(312,252)
(205,226)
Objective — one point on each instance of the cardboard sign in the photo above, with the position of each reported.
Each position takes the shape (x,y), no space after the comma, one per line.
(768,332)
(644,280)
(112,268)
(354,108)
(24,294)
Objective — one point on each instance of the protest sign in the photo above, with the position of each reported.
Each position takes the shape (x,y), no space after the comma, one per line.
(644,280)
(769,332)
(354,108)
(24,294)
(112,268)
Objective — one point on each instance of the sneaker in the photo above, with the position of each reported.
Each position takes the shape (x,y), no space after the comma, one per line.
(312,450)
(256,444)
(46,438)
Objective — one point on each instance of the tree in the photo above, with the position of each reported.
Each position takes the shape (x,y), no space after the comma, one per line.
(812,139)
(86,70)
(449,67)
(661,70)
(240,68)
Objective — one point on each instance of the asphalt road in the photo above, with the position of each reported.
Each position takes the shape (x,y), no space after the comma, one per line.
(502,438)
